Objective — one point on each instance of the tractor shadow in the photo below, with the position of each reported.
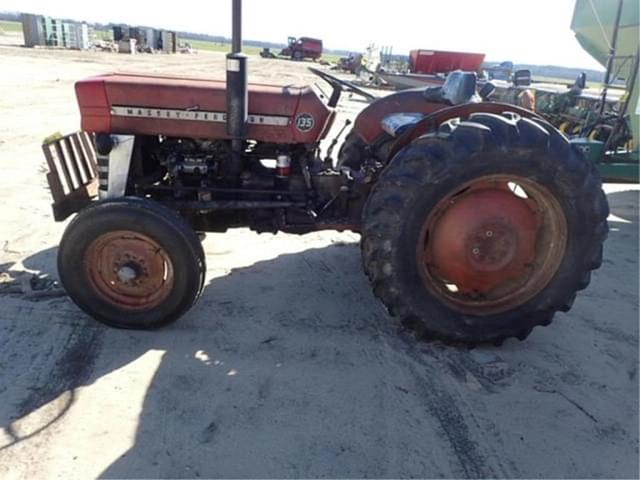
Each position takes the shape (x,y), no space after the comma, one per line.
(245,383)
(256,377)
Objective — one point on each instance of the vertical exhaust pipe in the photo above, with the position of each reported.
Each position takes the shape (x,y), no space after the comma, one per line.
(237,94)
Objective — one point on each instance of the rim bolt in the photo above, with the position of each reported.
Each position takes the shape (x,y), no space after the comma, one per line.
(476,251)
(489,233)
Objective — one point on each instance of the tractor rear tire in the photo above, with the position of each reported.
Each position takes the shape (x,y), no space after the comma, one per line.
(483,233)
(131,263)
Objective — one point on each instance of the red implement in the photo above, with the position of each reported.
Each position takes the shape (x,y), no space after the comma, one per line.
(437,61)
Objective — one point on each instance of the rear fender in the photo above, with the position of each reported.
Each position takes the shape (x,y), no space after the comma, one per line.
(368,123)
(433,120)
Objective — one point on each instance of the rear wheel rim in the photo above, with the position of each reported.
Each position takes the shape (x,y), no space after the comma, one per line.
(492,244)
(129,270)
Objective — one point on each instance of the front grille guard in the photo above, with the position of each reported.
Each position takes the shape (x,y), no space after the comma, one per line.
(73,172)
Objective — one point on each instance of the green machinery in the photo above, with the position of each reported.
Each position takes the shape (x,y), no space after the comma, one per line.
(608,31)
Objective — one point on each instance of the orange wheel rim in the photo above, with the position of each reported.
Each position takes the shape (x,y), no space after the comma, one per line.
(129,270)
(492,244)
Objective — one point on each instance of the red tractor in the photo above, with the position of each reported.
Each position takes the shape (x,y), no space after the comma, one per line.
(479,220)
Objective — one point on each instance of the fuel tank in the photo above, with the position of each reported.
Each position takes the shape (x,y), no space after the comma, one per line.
(195,108)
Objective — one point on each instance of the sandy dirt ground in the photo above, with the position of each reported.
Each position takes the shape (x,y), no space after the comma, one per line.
(288,366)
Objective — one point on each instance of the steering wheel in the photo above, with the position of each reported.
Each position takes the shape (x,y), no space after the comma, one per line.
(339,86)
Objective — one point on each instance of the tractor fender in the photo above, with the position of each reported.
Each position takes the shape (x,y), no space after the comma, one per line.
(368,122)
(433,120)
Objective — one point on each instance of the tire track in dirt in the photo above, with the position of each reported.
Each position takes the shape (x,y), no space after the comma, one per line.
(464,432)
(472,442)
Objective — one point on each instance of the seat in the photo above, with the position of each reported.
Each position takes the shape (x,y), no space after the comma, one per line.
(458,88)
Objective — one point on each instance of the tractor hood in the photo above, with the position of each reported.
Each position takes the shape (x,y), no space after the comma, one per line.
(195,108)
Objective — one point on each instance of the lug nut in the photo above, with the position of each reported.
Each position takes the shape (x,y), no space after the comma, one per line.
(489,233)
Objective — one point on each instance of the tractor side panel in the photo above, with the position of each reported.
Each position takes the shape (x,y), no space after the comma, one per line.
(94,105)
(194,108)
(313,119)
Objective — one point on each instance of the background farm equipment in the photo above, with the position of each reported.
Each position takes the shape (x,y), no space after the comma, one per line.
(267,53)
(351,63)
(603,122)
(501,71)
(301,48)
(435,62)
(609,136)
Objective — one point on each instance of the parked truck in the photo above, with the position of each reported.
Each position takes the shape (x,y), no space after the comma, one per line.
(303,47)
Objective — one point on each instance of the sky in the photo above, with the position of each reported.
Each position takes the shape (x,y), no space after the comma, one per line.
(523,31)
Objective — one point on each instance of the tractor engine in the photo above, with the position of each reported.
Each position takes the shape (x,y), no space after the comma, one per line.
(191,162)
(185,172)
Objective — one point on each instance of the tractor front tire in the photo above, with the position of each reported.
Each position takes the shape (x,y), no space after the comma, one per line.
(131,263)
(482,233)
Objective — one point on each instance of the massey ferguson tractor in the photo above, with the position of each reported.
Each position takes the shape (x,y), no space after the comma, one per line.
(478,220)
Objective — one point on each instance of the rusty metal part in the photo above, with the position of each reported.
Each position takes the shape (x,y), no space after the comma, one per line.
(492,244)
(204,206)
(72,174)
(129,270)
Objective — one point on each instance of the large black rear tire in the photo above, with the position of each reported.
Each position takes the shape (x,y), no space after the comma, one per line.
(131,263)
(440,170)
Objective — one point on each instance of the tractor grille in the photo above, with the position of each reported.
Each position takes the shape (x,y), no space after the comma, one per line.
(72,172)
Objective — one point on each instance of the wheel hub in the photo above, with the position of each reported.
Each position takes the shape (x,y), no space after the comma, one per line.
(481,239)
(487,249)
(129,270)
(491,247)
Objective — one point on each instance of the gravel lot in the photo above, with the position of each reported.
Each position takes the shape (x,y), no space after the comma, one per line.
(288,366)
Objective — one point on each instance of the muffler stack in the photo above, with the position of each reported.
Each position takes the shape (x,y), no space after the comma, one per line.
(237,94)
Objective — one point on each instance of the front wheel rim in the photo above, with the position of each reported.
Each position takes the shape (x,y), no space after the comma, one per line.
(129,270)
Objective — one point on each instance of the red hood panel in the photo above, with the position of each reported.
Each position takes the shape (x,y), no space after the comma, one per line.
(190,107)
